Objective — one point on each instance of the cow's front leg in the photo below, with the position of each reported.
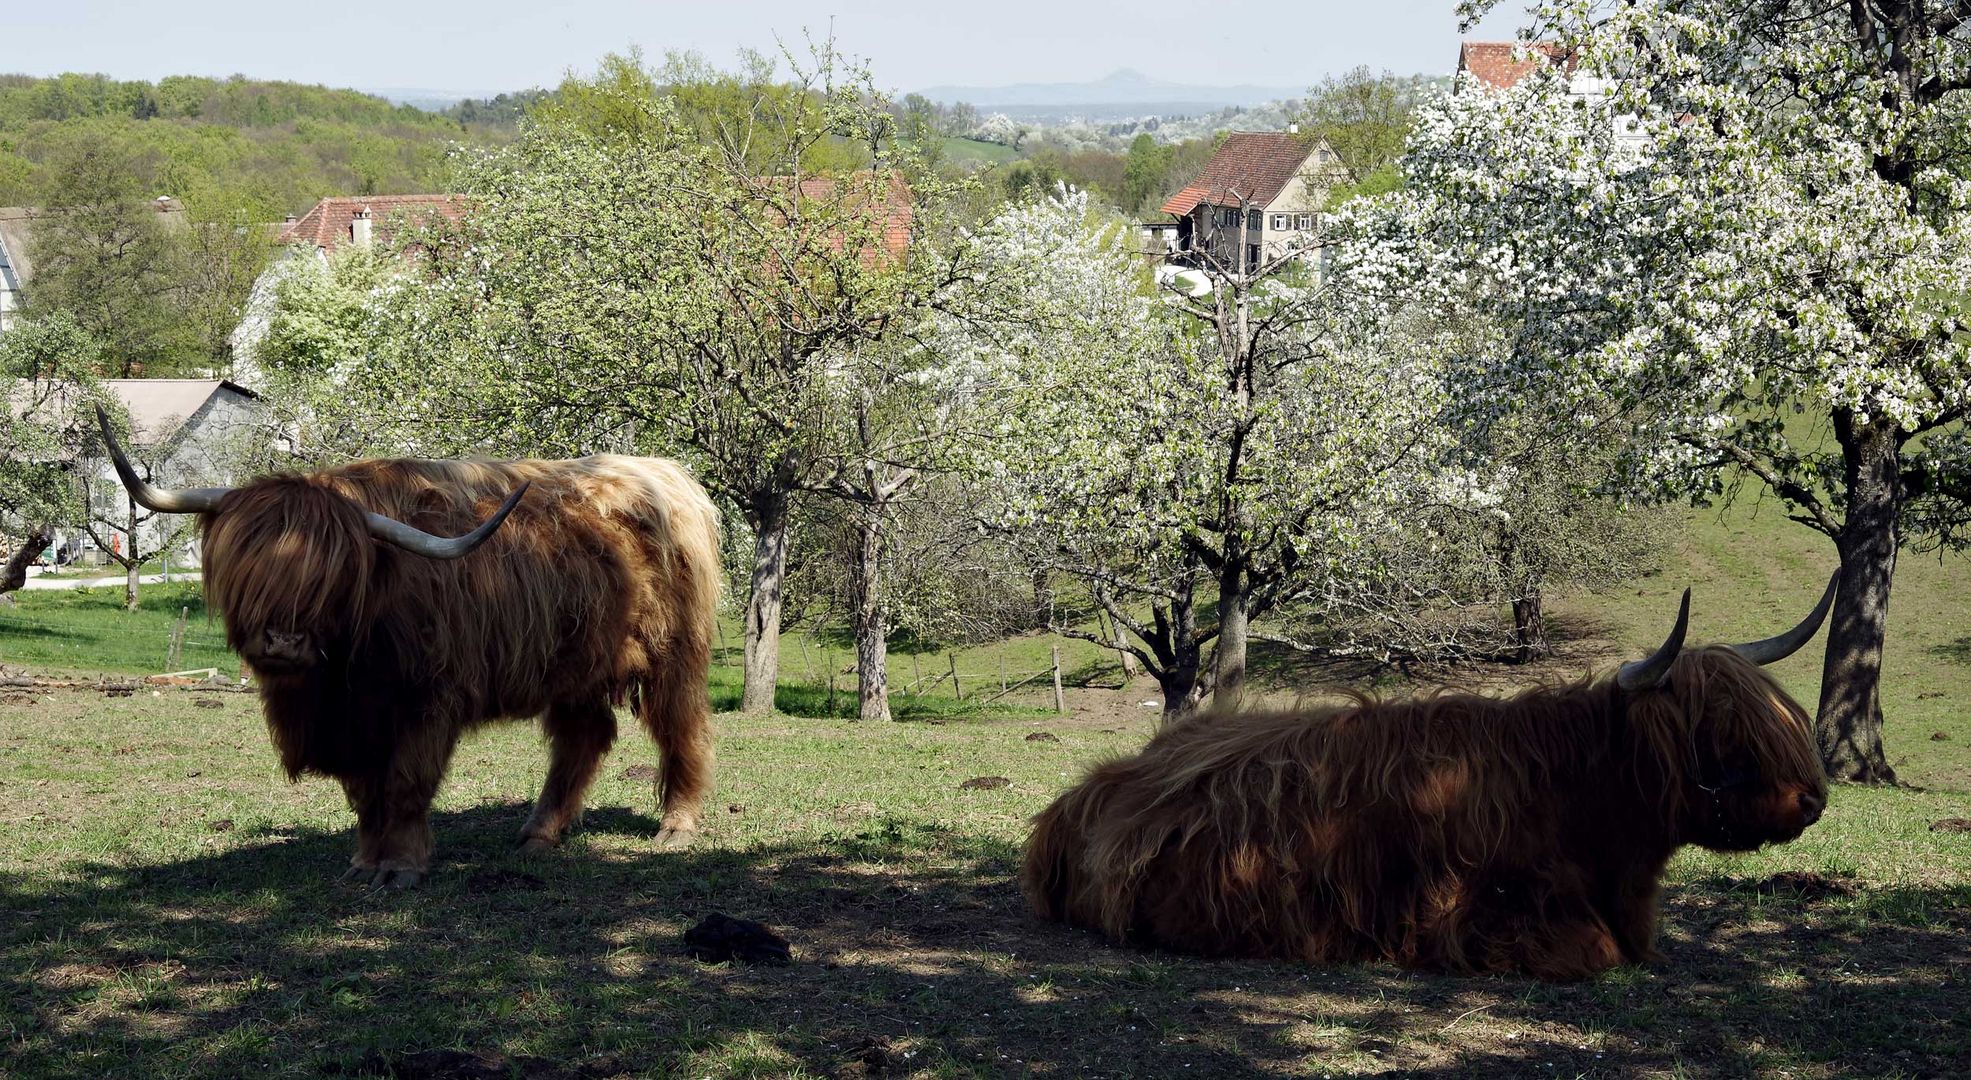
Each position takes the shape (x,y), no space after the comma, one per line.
(403,840)
(365,795)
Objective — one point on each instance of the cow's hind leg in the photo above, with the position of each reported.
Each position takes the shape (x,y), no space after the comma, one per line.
(675,710)
(579,734)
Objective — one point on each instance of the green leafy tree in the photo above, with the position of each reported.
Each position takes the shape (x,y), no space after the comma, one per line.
(101,255)
(48,368)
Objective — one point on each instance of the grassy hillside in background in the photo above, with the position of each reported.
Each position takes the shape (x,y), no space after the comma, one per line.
(275,147)
(1751,572)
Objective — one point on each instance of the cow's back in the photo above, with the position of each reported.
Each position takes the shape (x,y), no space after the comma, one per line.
(601,569)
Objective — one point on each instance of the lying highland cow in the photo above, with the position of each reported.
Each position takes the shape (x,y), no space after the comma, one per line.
(1454,832)
(376,644)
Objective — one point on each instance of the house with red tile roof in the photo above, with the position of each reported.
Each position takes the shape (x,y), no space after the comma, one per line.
(1499,65)
(363,220)
(1259,197)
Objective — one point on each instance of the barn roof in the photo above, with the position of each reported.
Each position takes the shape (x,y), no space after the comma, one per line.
(1249,167)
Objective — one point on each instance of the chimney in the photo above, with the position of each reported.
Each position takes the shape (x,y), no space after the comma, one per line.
(289,220)
(1293,129)
(359,227)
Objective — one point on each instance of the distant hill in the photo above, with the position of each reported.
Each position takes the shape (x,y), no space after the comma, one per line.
(426,99)
(269,147)
(1122,92)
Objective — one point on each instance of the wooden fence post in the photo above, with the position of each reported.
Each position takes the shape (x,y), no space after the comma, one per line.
(955,691)
(916,677)
(177,649)
(1060,702)
(831,684)
(1002,671)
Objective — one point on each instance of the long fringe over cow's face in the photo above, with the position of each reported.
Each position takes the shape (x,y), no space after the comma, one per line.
(292,568)
(1741,751)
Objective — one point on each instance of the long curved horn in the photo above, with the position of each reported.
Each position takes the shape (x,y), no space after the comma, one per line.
(1768,650)
(1649,672)
(419,542)
(163,500)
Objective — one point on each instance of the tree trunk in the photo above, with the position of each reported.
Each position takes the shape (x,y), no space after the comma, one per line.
(1182,676)
(1849,724)
(1229,659)
(1129,665)
(763,602)
(1529,627)
(130,569)
(15,574)
(871,620)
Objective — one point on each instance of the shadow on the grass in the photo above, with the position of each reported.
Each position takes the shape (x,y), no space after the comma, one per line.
(912,952)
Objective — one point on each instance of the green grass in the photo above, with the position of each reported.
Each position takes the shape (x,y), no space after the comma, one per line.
(972,152)
(88,630)
(170,913)
(166,906)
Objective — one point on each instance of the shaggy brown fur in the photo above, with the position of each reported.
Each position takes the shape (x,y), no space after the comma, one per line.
(1454,832)
(600,588)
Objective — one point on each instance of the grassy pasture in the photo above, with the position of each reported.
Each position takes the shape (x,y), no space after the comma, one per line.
(170,913)
(166,905)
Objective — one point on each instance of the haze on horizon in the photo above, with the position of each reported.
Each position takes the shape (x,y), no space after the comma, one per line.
(488,46)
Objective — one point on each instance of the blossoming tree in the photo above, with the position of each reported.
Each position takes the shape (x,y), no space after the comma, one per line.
(1767,279)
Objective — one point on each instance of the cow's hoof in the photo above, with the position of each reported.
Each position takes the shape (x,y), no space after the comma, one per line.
(399,879)
(383,877)
(675,839)
(537,845)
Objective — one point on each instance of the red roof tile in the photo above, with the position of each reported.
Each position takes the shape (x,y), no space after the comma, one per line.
(897,213)
(1494,63)
(327,226)
(1249,167)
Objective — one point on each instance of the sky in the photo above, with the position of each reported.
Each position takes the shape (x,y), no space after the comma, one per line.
(483,46)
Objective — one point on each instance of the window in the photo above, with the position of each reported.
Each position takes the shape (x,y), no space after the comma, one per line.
(1252,256)
(1304,222)
(1280,223)
(1253,219)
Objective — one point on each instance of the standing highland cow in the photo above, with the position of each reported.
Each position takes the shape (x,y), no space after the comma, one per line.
(372,657)
(1455,832)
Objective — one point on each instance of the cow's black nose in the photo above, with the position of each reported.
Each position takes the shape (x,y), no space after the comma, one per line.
(1810,807)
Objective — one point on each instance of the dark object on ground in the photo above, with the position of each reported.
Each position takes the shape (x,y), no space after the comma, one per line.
(209,703)
(222,825)
(984,783)
(1043,736)
(1939,736)
(875,1056)
(719,937)
(1805,884)
(1951,824)
(640,772)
